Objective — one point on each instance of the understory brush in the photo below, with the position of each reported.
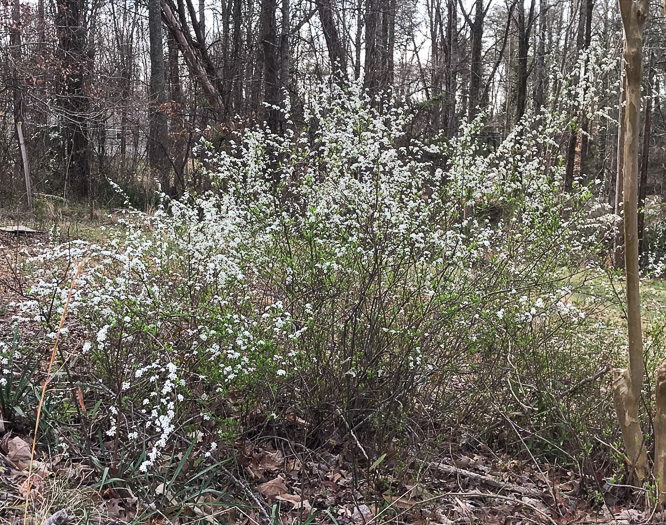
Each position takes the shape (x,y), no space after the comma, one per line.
(335,288)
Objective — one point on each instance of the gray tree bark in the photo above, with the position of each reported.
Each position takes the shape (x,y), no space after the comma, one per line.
(158,148)
(336,51)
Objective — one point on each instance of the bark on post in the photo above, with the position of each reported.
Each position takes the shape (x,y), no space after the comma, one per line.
(628,383)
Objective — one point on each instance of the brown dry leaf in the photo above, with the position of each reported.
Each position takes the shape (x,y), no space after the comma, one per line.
(295,500)
(276,455)
(272,460)
(161,489)
(18,450)
(115,508)
(361,514)
(464,509)
(255,471)
(441,518)
(36,485)
(272,488)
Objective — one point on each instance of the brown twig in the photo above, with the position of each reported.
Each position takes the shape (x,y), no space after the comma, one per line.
(488,480)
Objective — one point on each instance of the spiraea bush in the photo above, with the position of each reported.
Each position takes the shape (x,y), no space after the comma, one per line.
(336,284)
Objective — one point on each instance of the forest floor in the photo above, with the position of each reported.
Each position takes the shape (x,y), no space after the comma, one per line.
(270,479)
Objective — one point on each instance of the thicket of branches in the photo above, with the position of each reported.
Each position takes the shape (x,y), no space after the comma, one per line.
(123,90)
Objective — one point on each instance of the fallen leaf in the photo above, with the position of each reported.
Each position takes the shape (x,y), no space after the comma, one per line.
(272,461)
(295,500)
(115,508)
(273,488)
(361,514)
(18,450)
(441,518)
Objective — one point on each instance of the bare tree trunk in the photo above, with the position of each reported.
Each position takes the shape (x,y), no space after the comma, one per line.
(158,148)
(524,30)
(372,52)
(176,122)
(202,18)
(269,41)
(450,123)
(336,50)
(237,69)
(585,122)
(540,86)
(660,425)
(15,44)
(388,33)
(570,173)
(41,22)
(628,383)
(436,58)
(360,25)
(26,165)
(196,63)
(475,65)
(285,46)
(75,100)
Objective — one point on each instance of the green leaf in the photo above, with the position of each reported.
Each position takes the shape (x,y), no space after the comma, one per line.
(378,462)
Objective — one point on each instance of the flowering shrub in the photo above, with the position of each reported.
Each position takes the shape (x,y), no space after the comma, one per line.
(336,275)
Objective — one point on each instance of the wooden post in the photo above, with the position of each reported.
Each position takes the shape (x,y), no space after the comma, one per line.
(26,165)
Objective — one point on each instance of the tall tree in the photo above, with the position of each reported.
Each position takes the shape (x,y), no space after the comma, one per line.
(379,44)
(574,133)
(17,91)
(540,84)
(336,50)
(270,45)
(585,123)
(476,49)
(194,50)
(525,24)
(285,45)
(628,383)
(158,149)
(75,101)
(452,57)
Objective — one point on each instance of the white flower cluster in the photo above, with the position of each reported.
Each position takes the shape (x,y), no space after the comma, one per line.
(346,230)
